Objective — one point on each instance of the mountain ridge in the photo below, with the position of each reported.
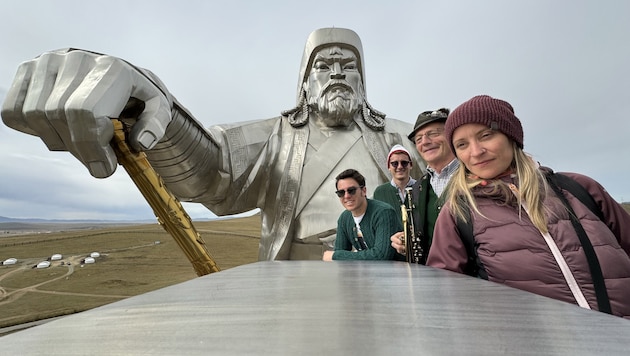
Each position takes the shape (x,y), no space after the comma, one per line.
(5,219)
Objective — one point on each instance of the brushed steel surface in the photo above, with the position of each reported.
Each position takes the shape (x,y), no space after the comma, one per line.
(340,308)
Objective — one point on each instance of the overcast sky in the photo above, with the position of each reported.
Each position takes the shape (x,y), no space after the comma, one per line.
(563,65)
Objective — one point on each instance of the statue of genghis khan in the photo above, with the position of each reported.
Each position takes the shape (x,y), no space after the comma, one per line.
(284,165)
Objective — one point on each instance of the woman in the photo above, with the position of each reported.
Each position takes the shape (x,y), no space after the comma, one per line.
(518,222)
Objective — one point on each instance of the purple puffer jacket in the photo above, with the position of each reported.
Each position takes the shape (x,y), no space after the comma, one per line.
(513,252)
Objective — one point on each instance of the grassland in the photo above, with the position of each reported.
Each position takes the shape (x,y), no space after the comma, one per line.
(133,260)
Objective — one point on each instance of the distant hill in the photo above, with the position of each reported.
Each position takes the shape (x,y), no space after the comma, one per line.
(4,219)
(18,226)
(12,228)
(34,225)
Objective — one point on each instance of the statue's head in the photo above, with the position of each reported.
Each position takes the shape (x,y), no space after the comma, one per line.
(331,83)
(333,87)
(330,37)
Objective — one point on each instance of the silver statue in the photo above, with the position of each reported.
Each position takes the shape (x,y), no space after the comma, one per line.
(285,165)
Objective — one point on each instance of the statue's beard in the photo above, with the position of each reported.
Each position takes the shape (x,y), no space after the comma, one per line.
(337,104)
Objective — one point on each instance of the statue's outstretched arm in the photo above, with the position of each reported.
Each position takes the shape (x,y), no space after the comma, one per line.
(67,98)
(187,158)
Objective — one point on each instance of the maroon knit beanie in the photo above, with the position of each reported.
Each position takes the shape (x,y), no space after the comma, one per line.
(485,110)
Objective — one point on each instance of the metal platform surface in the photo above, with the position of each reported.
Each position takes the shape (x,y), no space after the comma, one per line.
(334,308)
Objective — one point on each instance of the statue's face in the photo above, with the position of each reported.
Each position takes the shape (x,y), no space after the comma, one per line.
(334,87)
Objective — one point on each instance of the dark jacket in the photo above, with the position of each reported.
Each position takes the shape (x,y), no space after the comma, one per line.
(426,207)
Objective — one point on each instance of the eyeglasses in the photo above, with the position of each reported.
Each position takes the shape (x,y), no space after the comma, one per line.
(429,134)
(341,192)
(395,164)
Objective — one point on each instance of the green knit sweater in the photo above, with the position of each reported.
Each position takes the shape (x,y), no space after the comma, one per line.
(379,223)
(388,193)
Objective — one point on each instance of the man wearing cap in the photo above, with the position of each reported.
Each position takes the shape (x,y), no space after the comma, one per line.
(282,166)
(428,192)
(394,192)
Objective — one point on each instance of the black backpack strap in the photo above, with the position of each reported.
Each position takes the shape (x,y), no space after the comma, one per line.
(577,190)
(465,228)
(603,302)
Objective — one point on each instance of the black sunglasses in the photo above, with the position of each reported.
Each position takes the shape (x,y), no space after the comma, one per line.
(340,193)
(404,164)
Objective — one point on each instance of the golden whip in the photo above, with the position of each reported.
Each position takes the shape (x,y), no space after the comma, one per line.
(166,207)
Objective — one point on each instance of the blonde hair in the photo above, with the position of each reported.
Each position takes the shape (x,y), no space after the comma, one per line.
(532,188)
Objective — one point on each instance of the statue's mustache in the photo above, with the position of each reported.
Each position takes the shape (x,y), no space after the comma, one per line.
(337,83)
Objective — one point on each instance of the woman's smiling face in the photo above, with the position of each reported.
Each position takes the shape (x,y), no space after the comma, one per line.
(486,153)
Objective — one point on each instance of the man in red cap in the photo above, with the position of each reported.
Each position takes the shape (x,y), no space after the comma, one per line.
(394,192)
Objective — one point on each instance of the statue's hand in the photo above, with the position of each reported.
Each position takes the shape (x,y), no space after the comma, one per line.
(67,98)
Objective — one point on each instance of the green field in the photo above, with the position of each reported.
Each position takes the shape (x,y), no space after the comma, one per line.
(133,260)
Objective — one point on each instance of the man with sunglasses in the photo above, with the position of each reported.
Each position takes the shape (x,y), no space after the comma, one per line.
(364,228)
(428,193)
(394,192)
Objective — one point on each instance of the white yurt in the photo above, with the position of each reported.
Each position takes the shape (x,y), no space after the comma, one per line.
(89,260)
(9,261)
(43,264)
(56,257)
(95,255)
